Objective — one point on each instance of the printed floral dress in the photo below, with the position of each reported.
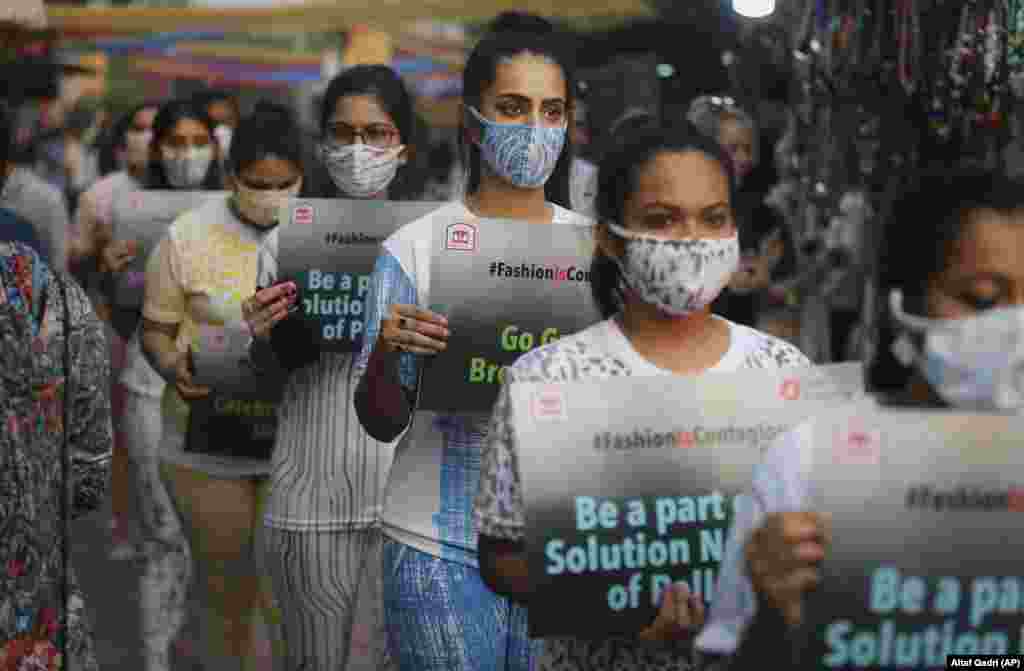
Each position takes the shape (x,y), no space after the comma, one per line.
(36,633)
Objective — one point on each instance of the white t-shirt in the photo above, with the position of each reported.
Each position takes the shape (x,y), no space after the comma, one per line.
(603,351)
(429,499)
(206,265)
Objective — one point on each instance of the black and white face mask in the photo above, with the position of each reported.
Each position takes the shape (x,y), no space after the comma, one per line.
(360,170)
(679,277)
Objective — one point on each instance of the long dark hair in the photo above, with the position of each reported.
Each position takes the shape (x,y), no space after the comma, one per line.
(480,73)
(921,224)
(387,88)
(115,139)
(166,119)
(617,178)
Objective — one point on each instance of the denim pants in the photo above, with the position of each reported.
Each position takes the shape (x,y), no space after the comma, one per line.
(440,616)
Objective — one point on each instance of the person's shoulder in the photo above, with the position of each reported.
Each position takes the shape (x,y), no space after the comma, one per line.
(40,188)
(197,221)
(567,359)
(79,305)
(566,216)
(761,350)
(14,249)
(418,229)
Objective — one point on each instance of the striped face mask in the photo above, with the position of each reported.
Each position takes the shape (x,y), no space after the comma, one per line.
(523,154)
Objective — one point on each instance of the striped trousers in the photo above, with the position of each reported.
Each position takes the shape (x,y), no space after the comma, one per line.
(327,589)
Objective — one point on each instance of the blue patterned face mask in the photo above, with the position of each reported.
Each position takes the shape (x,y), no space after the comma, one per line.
(973,363)
(524,155)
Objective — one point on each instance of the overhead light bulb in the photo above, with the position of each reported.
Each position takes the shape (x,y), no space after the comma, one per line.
(753,9)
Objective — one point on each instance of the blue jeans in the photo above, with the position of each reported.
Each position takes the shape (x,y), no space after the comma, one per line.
(440,616)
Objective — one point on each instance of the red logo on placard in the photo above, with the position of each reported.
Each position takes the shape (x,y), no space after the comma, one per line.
(303,215)
(549,404)
(461,237)
(857,445)
(1016,500)
(790,390)
(684,439)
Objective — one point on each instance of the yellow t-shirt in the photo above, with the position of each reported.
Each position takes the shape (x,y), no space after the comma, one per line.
(206,265)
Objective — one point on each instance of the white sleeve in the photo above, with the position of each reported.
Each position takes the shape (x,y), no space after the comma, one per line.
(779,485)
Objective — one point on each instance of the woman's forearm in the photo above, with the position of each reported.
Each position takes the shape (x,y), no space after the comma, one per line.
(382,404)
(160,349)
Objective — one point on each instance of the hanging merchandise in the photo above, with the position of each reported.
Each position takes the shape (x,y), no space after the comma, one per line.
(1015,46)
(968,101)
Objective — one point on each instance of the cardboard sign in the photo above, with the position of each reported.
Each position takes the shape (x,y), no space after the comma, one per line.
(329,248)
(143,217)
(221,359)
(630,485)
(240,417)
(925,558)
(506,287)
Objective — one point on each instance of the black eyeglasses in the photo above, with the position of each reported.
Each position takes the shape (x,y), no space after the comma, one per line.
(375,135)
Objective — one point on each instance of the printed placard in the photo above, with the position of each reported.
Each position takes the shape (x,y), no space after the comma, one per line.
(239,418)
(144,217)
(925,555)
(635,487)
(328,248)
(506,287)
(221,359)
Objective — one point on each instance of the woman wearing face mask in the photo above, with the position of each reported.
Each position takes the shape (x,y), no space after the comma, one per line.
(209,261)
(667,245)
(953,283)
(327,476)
(439,613)
(165,575)
(129,144)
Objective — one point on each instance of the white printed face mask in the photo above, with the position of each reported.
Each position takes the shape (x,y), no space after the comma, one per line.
(262,206)
(361,170)
(973,363)
(680,277)
(187,169)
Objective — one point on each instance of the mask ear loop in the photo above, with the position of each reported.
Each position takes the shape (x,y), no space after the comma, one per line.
(903,348)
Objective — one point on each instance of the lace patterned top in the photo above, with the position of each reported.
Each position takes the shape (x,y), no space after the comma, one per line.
(600,352)
(34,626)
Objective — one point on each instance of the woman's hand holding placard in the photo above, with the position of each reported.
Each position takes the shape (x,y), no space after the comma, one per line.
(268,307)
(783,556)
(680,617)
(409,328)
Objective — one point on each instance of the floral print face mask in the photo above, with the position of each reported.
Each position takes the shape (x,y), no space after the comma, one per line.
(679,277)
